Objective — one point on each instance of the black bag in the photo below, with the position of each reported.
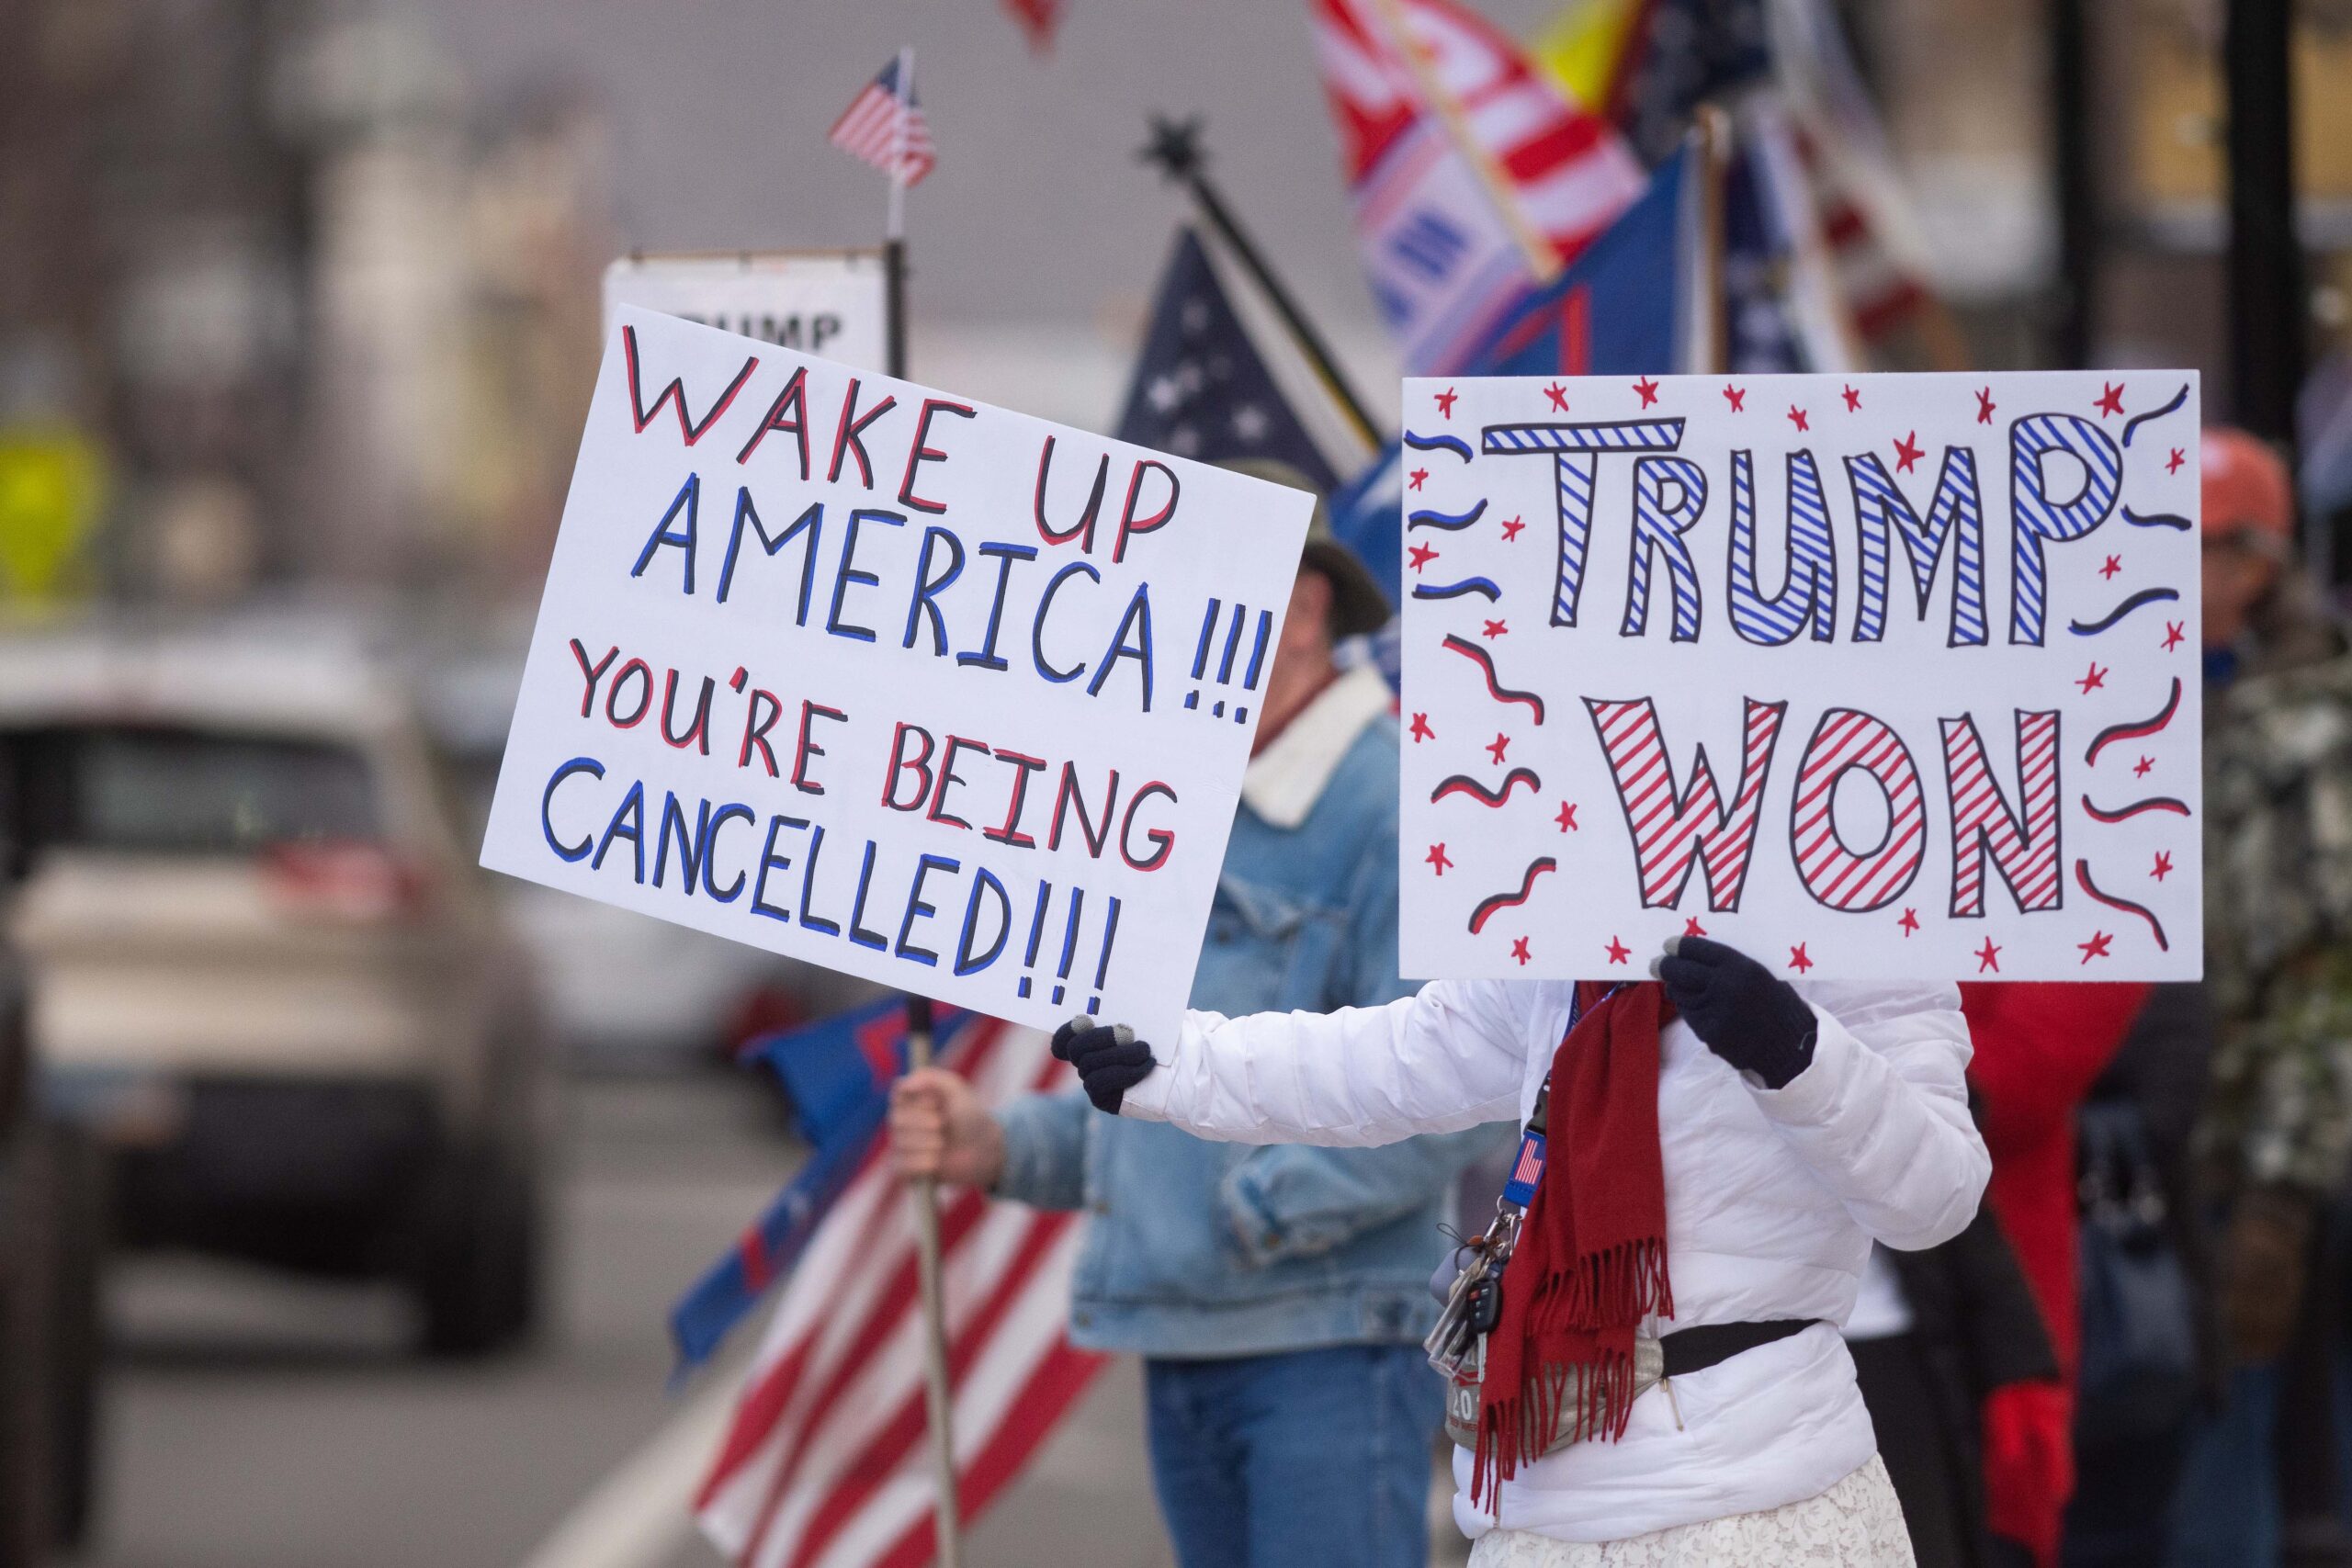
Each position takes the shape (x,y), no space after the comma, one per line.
(2138,1367)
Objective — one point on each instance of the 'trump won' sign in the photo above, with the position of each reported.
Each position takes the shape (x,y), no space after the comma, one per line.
(1880,676)
(892,682)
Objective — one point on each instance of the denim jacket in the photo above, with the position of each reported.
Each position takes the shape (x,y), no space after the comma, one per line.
(1197,1249)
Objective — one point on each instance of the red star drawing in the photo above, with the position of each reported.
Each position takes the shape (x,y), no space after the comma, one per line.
(1559,396)
(1567,816)
(1984,406)
(1853,400)
(1736,396)
(2094,681)
(1909,922)
(2173,463)
(2096,947)
(1510,529)
(1495,749)
(2111,400)
(1422,555)
(1496,629)
(2164,865)
(1692,927)
(1797,960)
(2114,564)
(1618,951)
(1415,476)
(1648,389)
(1518,951)
(1421,730)
(2174,632)
(1796,417)
(1446,401)
(1988,957)
(2140,769)
(1907,451)
(1437,858)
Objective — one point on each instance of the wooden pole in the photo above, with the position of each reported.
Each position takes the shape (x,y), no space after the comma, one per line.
(1541,259)
(1712,126)
(939,1400)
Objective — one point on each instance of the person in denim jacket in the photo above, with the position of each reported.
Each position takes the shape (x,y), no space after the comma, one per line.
(1278,1295)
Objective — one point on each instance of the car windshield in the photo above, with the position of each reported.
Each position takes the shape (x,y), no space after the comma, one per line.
(187,792)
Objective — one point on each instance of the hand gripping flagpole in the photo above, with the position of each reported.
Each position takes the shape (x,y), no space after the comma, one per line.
(938,1395)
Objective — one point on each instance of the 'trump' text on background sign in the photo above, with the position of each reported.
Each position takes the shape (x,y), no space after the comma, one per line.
(893,682)
(1870,676)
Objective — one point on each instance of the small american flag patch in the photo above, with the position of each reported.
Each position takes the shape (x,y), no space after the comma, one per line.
(1526,1171)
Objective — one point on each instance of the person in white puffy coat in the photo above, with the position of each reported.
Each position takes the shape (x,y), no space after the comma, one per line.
(1772,1196)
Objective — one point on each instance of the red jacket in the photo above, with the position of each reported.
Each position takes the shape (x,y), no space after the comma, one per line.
(2039,1047)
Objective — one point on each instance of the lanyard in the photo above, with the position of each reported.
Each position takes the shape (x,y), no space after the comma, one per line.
(1527,1169)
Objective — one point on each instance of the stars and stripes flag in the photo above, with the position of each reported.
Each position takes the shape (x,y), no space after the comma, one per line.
(884,126)
(1439,249)
(826,1463)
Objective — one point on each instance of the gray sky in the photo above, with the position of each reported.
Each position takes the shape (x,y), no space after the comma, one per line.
(1038,211)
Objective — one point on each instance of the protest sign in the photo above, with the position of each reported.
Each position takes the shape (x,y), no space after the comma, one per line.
(925,690)
(1879,676)
(828,302)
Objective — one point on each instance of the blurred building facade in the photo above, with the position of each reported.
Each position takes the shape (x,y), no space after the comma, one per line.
(311,315)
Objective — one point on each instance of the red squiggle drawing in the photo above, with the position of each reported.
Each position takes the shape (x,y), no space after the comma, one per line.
(2148,726)
(2083,880)
(2153,803)
(1488,905)
(1495,689)
(1462,784)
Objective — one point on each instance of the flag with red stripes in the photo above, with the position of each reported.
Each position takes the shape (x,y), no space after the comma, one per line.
(1037,18)
(884,126)
(1439,249)
(826,1464)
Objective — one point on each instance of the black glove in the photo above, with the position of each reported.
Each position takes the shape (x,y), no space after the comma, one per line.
(1749,1016)
(1109,1058)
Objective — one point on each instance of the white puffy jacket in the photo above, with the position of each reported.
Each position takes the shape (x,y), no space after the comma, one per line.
(1773,1198)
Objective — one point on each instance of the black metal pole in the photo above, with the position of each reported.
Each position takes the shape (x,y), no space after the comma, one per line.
(2075,308)
(1175,149)
(2266,308)
(894,309)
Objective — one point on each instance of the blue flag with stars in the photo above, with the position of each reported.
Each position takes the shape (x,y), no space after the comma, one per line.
(1201,388)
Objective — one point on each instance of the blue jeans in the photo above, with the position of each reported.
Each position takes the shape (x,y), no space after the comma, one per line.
(1309,1458)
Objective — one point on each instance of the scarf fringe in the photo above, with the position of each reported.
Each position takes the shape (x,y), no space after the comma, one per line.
(1523,1428)
(1618,1284)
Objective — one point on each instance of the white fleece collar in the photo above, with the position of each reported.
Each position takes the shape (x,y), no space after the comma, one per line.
(1284,782)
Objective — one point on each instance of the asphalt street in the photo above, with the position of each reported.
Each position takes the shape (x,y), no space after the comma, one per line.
(255,1421)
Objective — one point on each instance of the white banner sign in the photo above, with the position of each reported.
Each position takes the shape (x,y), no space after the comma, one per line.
(892,682)
(1879,676)
(832,303)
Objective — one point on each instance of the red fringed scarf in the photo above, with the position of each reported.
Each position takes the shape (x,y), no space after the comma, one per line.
(1590,1262)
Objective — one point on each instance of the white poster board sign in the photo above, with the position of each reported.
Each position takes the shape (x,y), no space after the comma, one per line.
(1869,676)
(833,303)
(896,682)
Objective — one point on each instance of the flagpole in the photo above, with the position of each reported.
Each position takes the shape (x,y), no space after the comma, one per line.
(938,1391)
(894,230)
(1175,149)
(939,1400)
(1712,126)
(1541,259)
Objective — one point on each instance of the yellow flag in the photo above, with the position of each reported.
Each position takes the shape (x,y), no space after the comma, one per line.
(52,481)
(1582,48)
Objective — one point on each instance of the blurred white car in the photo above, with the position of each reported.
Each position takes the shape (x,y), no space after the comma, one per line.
(267,974)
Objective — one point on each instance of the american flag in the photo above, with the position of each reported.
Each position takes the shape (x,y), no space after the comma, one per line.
(886,129)
(1443,263)
(826,1464)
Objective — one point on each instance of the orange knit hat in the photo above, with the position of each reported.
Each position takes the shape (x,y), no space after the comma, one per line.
(2245,488)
